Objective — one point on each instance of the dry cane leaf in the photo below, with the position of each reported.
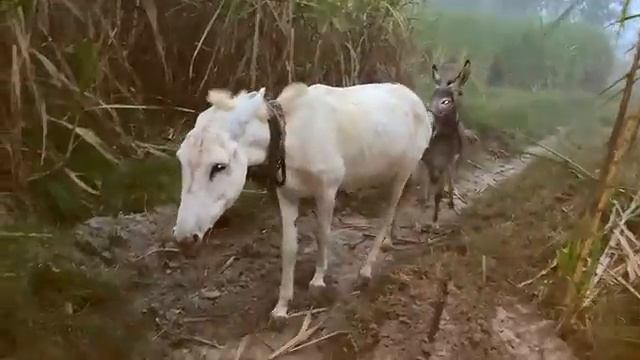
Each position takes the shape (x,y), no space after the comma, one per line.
(74,176)
(631,260)
(93,139)
(15,78)
(55,74)
(89,136)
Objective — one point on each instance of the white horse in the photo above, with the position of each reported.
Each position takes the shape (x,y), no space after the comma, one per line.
(335,138)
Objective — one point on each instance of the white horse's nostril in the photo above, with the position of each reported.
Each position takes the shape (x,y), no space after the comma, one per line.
(196,238)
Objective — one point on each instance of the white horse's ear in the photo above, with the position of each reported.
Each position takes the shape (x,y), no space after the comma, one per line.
(220,98)
(246,109)
(250,94)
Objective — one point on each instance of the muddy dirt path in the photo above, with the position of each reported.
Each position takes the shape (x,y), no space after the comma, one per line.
(429,298)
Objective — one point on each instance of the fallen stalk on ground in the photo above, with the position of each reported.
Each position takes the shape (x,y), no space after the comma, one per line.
(542,273)
(303,334)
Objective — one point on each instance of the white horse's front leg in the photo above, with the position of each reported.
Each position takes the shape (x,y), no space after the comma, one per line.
(325,203)
(289,250)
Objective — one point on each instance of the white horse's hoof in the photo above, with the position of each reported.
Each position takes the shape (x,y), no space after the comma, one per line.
(278,319)
(364,277)
(387,244)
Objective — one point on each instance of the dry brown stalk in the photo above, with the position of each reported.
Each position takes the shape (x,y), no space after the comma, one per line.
(204,36)
(318,340)
(626,97)
(542,273)
(292,39)
(254,50)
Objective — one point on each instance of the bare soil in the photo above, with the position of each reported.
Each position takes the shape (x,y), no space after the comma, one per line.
(433,297)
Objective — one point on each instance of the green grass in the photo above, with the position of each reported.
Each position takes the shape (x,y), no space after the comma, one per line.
(135,185)
(140,185)
(534,114)
(56,304)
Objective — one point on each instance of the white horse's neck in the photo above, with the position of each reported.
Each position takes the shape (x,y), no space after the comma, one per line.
(255,142)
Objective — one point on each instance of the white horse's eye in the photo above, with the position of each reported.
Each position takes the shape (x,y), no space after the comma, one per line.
(216,168)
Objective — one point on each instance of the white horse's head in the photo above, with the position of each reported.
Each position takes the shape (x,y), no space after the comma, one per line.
(213,162)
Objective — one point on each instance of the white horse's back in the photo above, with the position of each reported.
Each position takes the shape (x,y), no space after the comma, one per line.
(367,130)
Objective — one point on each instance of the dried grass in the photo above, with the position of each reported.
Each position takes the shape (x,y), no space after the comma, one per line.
(621,257)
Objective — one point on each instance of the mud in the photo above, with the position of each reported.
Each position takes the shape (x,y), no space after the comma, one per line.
(429,299)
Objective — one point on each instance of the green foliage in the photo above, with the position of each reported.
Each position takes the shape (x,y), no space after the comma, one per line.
(56,305)
(568,256)
(526,78)
(596,12)
(528,55)
(9,5)
(59,200)
(85,62)
(136,186)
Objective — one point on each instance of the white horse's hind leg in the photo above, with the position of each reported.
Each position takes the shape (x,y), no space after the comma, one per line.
(288,213)
(325,203)
(389,219)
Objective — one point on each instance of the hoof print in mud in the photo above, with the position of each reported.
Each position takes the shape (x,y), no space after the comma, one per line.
(323,296)
(431,228)
(188,250)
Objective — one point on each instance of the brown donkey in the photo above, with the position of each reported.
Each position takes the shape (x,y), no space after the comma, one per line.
(445,148)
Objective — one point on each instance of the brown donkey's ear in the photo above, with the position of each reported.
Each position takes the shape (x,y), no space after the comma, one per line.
(464,74)
(435,75)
